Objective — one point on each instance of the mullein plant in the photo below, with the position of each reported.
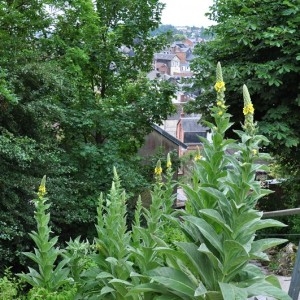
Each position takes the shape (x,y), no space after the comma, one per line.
(146,239)
(221,221)
(50,279)
(121,258)
(110,269)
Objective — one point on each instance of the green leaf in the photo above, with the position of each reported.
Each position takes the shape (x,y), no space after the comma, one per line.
(265,223)
(207,230)
(201,290)
(106,290)
(267,289)
(213,259)
(200,262)
(231,292)
(166,297)
(215,216)
(235,256)
(103,275)
(146,288)
(263,244)
(175,280)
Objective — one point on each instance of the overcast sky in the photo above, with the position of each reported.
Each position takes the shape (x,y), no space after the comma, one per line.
(186,12)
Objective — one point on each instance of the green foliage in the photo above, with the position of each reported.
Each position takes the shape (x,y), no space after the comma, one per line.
(110,269)
(37,293)
(221,224)
(217,233)
(51,274)
(75,101)
(258,44)
(119,253)
(10,286)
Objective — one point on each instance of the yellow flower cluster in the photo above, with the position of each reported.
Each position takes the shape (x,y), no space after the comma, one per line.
(158,170)
(248,109)
(169,163)
(197,157)
(220,86)
(42,191)
(254,151)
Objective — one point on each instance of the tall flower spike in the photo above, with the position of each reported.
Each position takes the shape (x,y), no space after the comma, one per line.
(219,75)
(42,188)
(158,171)
(248,111)
(198,154)
(169,163)
(220,88)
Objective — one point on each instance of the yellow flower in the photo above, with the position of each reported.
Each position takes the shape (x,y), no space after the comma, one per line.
(169,163)
(220,113)
(197,157)
(219,103)
(248,109)
(158,170)
(42,191)
(220,86)
(254,151)
(42,188)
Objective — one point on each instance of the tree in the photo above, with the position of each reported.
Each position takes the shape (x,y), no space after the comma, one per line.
(75,101)
(257,42)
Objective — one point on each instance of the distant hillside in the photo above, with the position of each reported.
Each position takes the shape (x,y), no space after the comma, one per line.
(181,32)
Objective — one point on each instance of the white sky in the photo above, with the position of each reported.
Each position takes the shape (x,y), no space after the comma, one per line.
(186,12)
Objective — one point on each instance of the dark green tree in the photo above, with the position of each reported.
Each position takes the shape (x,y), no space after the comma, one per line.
(74,102)
(257,43)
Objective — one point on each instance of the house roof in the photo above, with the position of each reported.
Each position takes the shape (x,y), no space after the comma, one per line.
(164,56)
(191,56)
(184,64)
(184,50)
(179,44)
(191,125)
(169,136)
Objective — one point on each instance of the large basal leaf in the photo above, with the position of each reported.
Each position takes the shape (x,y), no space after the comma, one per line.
(192,195)
(148,288)
(214,295)
(207,231)
(215,216)
(201,290)
(175,280)
(166,297)
(106,290)
(243,222)
(267,289)
(213,259)
(216,194)
(259,246)
(235,256)
(265,223)
(231,292)
(200,261)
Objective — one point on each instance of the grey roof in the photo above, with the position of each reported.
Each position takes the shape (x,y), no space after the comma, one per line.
(164,56)
(179,44)
(153,75)
(169,136)
(192,125)
(191,56)
(184,49)
(184,64)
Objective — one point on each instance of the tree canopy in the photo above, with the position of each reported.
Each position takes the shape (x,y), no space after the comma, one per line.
(75,101)
(257,43)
